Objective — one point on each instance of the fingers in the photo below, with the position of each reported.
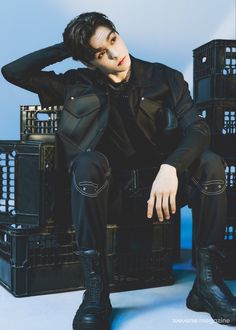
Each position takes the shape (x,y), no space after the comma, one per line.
(162,206)
(150,206)
(163,193)
(165,205)
(172,203)
(159,207)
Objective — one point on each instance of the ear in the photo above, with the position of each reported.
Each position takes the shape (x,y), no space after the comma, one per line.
(89,65)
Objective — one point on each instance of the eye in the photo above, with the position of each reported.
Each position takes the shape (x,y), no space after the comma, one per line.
(100,55)
(113,40)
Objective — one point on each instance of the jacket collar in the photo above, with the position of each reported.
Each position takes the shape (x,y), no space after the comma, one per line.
(145,74)
(141,72)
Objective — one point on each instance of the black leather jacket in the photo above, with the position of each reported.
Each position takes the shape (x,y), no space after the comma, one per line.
(159,97)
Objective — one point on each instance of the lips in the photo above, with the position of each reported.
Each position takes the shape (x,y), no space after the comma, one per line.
(121,61)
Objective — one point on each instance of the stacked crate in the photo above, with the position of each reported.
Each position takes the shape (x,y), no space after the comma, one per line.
(34,185)
(37,237)
(215,97)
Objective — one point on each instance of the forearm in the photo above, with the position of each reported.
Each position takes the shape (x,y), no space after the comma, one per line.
(195,140)
(34,62)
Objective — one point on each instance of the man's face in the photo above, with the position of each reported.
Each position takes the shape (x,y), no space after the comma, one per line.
(112,57)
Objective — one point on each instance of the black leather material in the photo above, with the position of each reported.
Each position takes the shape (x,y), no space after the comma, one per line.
(210,293)
(154,87)
(95,310)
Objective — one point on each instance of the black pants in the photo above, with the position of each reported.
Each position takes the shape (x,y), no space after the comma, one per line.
(100,195)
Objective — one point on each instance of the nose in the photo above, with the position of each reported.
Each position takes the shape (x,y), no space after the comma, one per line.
(113,53)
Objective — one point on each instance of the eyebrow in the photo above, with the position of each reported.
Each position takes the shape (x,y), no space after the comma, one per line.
(97,50)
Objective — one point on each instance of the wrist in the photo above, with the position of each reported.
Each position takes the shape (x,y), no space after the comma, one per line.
(168,167)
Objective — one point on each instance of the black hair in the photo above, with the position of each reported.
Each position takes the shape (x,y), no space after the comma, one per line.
(78,32)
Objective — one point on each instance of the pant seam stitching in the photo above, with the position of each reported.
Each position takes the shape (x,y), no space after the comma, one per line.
(86,194)
(207,192)
(213,181)
(104,157)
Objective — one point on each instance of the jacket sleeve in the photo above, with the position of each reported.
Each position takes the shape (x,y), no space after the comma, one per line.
(195,133)
(26,72)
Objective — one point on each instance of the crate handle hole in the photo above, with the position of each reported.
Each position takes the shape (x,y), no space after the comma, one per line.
(12,212)
(42,116)
(27,131)
(13,154)
(225,72)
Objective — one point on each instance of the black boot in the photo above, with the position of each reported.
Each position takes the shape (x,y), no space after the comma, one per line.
(209,292)
(95,310)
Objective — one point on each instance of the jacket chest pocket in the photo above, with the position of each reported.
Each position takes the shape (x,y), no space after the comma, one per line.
(151,109)
(82,105)
(159,123)
(164,118)
(148,115)
(78,118)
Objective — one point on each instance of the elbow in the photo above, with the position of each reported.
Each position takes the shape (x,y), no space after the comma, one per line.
(203,128)
(207,132)
(7,72)
(4,71)
(200,129)
(10,73)
(207,139)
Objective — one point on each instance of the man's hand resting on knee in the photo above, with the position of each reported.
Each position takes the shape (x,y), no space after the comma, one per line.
(163,193)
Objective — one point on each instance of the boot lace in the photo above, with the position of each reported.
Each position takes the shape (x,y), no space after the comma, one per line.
(94,283)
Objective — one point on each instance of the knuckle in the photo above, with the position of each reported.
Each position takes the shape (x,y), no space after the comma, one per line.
(164,192)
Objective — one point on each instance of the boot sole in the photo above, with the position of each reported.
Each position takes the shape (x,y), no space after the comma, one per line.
(105,325)
(101,324)
(197,304)
(92,326)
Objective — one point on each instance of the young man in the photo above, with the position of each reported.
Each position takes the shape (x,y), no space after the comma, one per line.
(126,116)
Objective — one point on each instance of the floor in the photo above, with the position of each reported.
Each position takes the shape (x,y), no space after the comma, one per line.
(153,308)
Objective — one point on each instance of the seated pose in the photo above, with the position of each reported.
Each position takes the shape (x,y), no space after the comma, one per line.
(123,118)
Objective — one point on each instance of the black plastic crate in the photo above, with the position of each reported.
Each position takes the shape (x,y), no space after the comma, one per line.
(224,145)
(215,70)
(229,266)
(44,261)
(231,210)
(221,118)
(216,56)
(145,237)
(33,188)
(38,123)
(230,176)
